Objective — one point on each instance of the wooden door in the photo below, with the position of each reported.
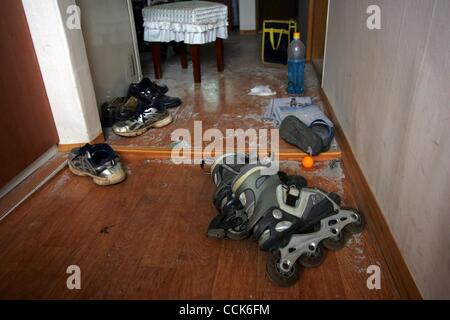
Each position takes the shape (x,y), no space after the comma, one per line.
(317,28)
(28,129)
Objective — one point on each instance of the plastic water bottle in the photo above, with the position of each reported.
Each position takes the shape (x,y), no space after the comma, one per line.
(296,65)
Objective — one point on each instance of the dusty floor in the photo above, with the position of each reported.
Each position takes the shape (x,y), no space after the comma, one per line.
(145,238)
(221,101)
(155,245)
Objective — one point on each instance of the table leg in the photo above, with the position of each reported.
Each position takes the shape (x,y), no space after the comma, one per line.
(195,53)
(156,53)
(219,54)
(183,55)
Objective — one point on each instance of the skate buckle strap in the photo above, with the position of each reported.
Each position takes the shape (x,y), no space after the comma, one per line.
(292,196)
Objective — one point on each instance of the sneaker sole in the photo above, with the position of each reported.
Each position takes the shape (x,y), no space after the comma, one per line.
(99,180)
(159,124)
(292,128)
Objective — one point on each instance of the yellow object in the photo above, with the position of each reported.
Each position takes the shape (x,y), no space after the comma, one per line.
(296,35)
(291,25)
(308,162)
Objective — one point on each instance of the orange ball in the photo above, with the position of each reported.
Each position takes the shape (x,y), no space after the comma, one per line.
(308,162)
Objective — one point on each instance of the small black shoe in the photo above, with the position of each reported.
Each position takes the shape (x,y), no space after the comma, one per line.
(313,139)
(168,102)
(118,109)
(126,110)
(99,161)
(135,89)
(109,110)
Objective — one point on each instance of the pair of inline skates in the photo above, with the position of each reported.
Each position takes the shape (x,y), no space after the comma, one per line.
(295,223)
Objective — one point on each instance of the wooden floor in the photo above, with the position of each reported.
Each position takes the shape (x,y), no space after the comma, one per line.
(221,101)
(146,238)
(153,244)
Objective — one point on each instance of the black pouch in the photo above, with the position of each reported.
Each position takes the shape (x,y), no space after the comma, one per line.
(277,35)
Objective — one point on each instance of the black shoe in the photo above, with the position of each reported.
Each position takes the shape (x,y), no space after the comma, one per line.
(313,139)
(135,89)
(118,109)
(168,102)
(109,110)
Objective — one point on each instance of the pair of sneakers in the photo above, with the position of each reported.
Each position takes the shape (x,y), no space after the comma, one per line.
(145,108)
(98,161)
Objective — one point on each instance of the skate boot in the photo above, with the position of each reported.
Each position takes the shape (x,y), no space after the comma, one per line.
(232,220)
(298,231)
(289,220)
(224,169)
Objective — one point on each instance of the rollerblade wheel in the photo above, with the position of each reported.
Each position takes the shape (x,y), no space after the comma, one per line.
(335,243)
(278,276)
(356,227)
(313,260)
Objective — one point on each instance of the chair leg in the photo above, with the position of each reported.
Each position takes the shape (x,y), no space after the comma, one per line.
(195,53)
(156,53)
(183,55)
(219,54)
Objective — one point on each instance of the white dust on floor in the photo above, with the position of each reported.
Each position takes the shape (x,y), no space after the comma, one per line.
(61,181)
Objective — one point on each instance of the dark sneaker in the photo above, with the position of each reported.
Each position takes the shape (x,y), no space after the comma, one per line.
(100,162)
(313,139)
(109,110)
(146,84)
(127,110)
(146,117)
(168,102)
(118,109)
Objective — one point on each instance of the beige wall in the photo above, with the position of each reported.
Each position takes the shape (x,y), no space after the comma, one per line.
(108,31)
(391,92)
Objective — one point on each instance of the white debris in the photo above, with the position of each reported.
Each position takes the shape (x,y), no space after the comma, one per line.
(263,91)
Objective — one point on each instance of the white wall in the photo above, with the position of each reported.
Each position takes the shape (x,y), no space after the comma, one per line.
(247,14)
(65,70)
(390,91)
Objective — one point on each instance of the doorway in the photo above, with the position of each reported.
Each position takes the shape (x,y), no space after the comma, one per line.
(272,10)
(317,28)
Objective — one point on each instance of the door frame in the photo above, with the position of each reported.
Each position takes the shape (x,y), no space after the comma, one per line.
(137,58)
(313,35)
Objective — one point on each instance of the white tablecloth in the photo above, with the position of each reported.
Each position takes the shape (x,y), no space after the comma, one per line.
(194,22)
